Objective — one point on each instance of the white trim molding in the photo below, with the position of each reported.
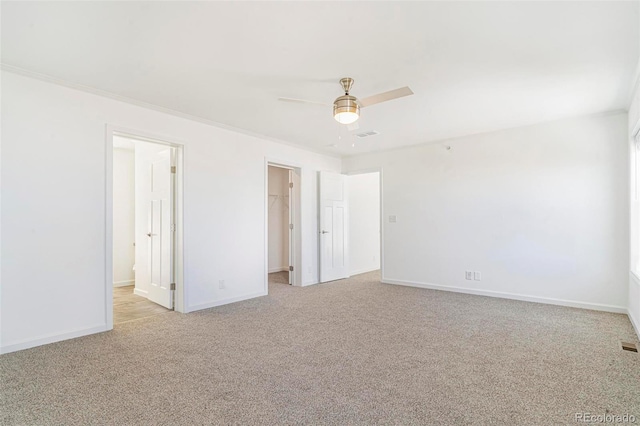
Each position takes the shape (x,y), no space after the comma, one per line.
(52,338)
(512,296)
(635,322)
(125,283)
(634,279)
(140,292)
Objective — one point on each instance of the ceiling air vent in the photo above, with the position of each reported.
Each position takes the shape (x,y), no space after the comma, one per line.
(367,134)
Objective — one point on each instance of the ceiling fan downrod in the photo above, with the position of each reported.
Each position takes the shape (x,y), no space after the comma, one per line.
(346,83)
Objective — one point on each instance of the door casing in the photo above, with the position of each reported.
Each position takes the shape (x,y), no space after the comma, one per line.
(181,293)
(295,207)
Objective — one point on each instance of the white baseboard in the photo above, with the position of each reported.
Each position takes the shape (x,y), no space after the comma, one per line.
(52,338)
(634,279)
(123,283)
(280,269)
(522,297)
(634,322)
(364,271)
(140,292)
(225,301)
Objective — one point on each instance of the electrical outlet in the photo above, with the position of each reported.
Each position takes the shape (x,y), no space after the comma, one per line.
(468,275)
(221,285)
(477,276)
(393,218)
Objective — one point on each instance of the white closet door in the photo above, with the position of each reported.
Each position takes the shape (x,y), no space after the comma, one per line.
(334,227)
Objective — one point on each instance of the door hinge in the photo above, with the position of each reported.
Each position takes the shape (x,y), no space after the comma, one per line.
(173,227)
(290,184)
(290,268)
(173,169)
(173,286)
(291,226)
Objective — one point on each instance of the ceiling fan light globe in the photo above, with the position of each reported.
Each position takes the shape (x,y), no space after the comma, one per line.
(346,117)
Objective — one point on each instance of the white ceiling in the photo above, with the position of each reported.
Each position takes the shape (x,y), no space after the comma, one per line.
(474,66)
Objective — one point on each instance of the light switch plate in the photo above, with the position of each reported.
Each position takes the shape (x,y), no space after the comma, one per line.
(393,218)
(468,275)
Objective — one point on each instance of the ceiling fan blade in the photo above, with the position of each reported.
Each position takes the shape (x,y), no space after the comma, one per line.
(302,101)
(386,96)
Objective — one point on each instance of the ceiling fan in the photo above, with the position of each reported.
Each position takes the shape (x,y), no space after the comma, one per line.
(346,108)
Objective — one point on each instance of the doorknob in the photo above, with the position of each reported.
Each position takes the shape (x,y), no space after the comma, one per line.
(150,234)
(325,232)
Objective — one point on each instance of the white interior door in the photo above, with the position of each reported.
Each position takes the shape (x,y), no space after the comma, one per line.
(334,227)
(157,256)
(160,229)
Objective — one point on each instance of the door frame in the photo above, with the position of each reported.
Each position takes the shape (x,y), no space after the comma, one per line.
(381,174)
(180,295)
(297,230)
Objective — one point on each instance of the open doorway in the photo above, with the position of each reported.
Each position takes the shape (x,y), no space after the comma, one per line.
(145,261)
(283,225)
(350,226)
(365,232)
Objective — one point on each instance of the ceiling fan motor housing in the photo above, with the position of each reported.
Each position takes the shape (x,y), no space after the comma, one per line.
(346,104)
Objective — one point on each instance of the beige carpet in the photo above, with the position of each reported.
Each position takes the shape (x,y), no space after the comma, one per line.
(348,352)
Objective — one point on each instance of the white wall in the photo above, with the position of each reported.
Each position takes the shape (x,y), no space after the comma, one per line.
(278,219)
(364,223)
(540,211)
(123,217)
(634,275)
(53,208)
